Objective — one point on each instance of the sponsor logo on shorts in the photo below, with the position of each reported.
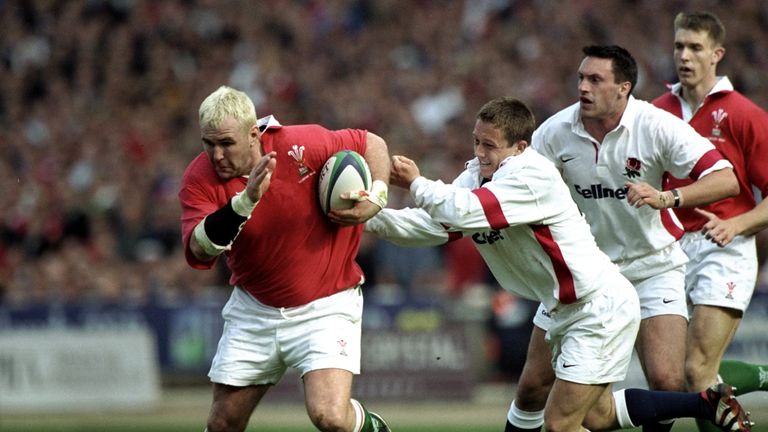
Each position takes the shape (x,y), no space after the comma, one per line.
(569,365)
(667,301)
(731,286)
(343,344)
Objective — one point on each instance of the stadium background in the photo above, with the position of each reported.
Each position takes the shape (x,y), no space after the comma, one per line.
(98,106)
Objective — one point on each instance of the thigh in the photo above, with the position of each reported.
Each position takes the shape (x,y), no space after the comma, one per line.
(709,334)
(537,376)
(232,406)
(247,353)
(569,403)
(592,342)
(721,276)
(326,337)
(663,294)
(327,391)
(661,350)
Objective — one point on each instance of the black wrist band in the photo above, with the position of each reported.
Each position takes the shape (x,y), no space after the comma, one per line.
(223,225)
(676,195)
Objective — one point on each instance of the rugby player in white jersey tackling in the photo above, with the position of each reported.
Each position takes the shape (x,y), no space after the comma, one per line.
(613,152)
(519,213)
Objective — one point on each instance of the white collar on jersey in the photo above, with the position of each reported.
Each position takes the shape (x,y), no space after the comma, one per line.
(722,84)
(268,122)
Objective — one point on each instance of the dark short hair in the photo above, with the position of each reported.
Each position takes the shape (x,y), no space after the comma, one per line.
(624,65)
(702,21)
(511,116)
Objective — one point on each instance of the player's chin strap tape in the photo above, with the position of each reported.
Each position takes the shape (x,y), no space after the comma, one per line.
(222,226)
(379,193)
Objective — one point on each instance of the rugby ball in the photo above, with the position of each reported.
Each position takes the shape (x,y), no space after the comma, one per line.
(345,171)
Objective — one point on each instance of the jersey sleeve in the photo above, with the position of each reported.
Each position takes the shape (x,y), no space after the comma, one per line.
(684,151)
(410,227)
(197,202)
(752,136)
(496,205)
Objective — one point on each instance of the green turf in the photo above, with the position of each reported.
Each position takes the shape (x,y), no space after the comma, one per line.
(37,425)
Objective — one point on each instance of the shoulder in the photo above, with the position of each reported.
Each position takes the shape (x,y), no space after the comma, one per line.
(565,116)
(665,100)
(737,101)
(199,170)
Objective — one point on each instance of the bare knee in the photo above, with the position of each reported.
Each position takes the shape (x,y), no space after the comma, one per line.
(533,388)
(218,422)
(666,381)
(331,418)
(559,424)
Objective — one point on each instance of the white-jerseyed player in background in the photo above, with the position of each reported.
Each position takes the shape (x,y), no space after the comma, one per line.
(519,213)
(613,152)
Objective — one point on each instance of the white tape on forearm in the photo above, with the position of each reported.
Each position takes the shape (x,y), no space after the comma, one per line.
(379,193)
(242,204)
(209,247)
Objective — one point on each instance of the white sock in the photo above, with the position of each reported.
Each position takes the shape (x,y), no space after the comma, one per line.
(524,419)
(622,414)
(359,415)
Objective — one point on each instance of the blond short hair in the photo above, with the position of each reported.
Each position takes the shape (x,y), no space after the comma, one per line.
(227,102)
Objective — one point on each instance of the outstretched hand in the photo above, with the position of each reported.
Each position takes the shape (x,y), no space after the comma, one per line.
(258,180)
(404,171)
(359,213)
(718,231)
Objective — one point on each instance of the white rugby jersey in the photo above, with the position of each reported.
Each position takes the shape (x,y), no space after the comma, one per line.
(523,222)
(647,143)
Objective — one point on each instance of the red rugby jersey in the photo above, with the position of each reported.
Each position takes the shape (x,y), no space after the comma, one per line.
(288,253)
(739,130)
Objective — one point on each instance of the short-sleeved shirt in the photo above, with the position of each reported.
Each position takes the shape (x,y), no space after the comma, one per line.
(288,253)
(739,130)
(523,222)
(647,143)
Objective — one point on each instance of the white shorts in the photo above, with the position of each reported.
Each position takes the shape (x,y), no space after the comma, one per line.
(720,276)
(592,341)
(260,342)
(662,294)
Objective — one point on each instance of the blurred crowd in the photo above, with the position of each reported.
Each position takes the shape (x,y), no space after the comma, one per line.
(99,99)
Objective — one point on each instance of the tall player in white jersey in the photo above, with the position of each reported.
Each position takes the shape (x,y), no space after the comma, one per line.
(613,152)
(519,213)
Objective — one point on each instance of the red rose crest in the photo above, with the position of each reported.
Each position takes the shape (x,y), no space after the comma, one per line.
(632,168)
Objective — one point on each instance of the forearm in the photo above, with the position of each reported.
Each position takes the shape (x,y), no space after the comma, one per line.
(708,189)
(753,221)
(407,227)
(377,157)
(217,231)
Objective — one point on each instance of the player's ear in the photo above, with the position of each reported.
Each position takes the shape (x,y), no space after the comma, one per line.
(254,135)
(521,146)
(718,54)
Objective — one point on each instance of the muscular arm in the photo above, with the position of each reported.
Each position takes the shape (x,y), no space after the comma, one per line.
(377,157)
(216,232)
(712,187)
(707,189)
